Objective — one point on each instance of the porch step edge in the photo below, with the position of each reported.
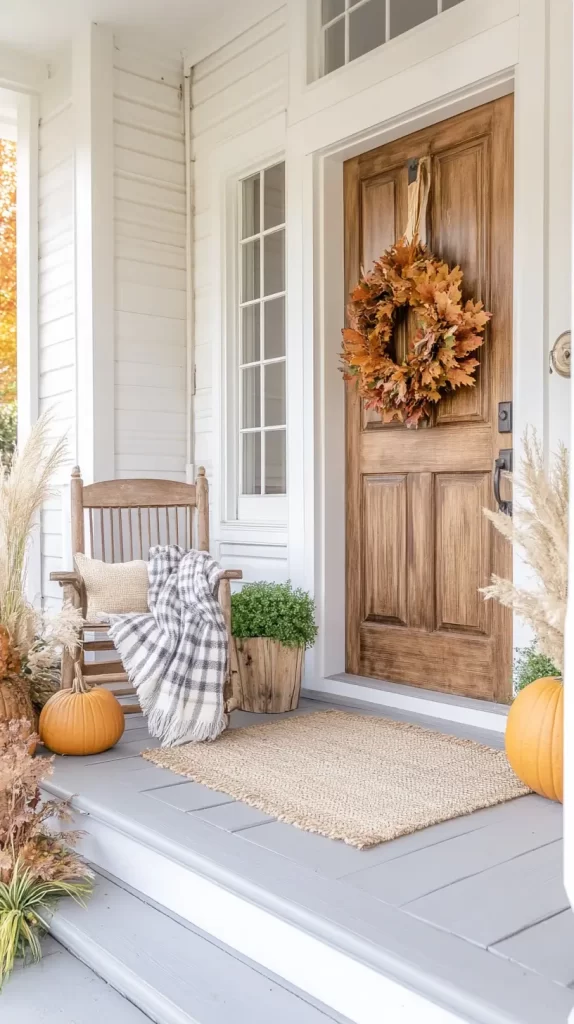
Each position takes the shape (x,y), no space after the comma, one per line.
(173,973)
(378,957)
(63,988)
(346,688)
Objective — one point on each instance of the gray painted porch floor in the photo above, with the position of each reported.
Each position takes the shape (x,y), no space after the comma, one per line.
(62,990)
(492,879)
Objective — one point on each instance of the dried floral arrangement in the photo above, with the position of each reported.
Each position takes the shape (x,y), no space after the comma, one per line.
(37,865)
(539,529)
(31,643)
(448,332)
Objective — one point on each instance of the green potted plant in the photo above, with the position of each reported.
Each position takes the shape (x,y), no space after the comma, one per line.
(272,624)
(530,664)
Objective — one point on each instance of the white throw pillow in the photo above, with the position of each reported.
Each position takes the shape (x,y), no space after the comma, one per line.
(113,587)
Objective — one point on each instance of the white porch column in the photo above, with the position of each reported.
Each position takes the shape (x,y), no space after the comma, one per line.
(27,307)
(92,91)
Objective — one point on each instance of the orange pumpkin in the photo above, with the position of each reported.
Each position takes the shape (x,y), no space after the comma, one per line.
(534,736)
(80,720)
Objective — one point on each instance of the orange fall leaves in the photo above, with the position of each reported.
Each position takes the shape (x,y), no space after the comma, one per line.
(440,356)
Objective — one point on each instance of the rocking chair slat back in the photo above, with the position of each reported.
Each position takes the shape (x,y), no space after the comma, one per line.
(124,518)
(122,534)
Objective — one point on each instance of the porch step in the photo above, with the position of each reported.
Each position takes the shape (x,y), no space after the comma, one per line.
(173,973)
(61,990)
(328,944)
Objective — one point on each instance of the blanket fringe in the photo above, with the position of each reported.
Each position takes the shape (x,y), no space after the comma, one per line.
(173,735)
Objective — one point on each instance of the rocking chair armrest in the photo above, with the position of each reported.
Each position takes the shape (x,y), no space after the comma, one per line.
(71,579)
(232,574)
(73,586)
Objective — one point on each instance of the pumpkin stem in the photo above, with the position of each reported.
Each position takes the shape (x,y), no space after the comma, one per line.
(79,685)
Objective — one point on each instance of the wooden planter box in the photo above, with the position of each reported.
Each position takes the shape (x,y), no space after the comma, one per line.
(269,675)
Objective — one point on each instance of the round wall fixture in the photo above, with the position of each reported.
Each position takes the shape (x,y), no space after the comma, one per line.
(560,354)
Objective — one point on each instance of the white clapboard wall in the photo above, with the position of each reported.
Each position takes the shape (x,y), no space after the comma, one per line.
(150,279)
(239,87)
(236,88)
(150,269)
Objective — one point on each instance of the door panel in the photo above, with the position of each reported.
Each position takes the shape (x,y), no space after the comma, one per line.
(418,545)
(385,552)
(462,543)
(460,212)
(380,224)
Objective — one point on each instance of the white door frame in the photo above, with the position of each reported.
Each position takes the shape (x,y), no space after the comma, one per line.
(330,531)
(468,73)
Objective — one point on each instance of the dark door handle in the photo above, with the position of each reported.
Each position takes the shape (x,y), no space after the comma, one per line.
(503,464)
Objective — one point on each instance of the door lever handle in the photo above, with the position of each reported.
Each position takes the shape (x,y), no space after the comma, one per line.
(503,464)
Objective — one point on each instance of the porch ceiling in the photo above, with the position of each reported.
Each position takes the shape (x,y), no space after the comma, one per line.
(42,27)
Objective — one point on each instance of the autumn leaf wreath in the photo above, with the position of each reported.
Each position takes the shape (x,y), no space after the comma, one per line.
(440,355)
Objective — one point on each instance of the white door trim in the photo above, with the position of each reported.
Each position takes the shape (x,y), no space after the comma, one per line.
(317,520)
(511,56)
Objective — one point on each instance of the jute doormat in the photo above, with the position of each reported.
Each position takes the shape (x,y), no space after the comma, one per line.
(347,776)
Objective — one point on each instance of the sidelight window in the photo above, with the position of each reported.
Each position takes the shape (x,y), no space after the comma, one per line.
(262,395)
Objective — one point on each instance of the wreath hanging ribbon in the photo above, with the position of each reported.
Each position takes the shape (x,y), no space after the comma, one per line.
(440,356)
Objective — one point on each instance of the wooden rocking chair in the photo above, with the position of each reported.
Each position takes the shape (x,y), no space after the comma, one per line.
(123,519)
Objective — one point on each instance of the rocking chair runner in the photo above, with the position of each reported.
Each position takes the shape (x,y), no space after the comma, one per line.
(124,518)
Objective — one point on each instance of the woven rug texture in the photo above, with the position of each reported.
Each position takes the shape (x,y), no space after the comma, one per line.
(358,778)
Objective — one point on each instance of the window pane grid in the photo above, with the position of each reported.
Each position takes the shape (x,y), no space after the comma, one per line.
(262,362)
(262,466)
(350,6)
(268,231)
(333,20)
(263,430)
(352,28)
(262,300)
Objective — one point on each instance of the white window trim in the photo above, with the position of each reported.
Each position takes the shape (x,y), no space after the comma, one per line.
(350,7)
(232,161)
(268,510)
(310,92)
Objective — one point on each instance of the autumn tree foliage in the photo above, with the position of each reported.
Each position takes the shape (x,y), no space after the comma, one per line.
(7,296)
(7,270)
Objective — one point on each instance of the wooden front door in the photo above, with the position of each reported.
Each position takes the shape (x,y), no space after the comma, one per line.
(418,545)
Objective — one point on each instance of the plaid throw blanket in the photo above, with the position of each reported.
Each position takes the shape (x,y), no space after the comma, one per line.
(176,654)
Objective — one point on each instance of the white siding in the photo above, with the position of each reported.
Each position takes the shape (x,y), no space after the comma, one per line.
(56,304)
(150,283)
(150,270)
(237,88)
